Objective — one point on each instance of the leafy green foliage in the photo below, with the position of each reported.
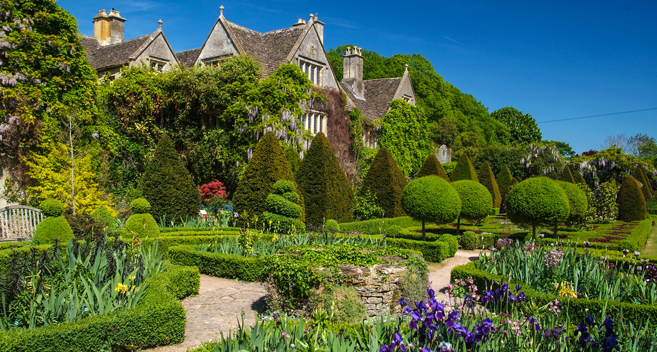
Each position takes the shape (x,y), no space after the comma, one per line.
(284,208)
(503,178)
(576,199)
(469,241)
(379,226)
(332,225)
(476,201)
(567,176)
(404,133)
(631,204)
(431,198)
(365,207)
(608,164)
(293,159)
(432,251)
(52,228)
(167,185)
(432,166)
(523,127)
(537,201)
(324,185)
(464,170)
(104,216)
(51,207)
(267,166)
(512,184)
(641,177)
(452,241)
(140,206)
(386,181)
(577,176)
(487,178)
(606,206)
(141,226)
(85,227)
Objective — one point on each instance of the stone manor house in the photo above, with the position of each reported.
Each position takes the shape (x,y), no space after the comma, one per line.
(301,44)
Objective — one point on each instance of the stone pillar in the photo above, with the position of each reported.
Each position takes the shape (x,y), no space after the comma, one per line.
(353,71)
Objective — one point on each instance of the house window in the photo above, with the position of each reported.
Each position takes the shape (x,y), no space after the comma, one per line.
(313,71)
(407,98)
(216,60)
(157,65)
(314,122)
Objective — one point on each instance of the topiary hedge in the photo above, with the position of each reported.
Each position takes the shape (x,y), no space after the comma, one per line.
(487,178)
(284,208)
(567,176)
(142,226)
(51,228)
(158,320)
(218,264)
(504,178)
(537,201)
(378,226)
(631,204)
(51,208)
(452,241)
(640,175)
(431,198)
(577,202)
(464,170)
(324,185)
(105,217)
(432,166)
(579,179)
(476,201)
(512,184)
(385,180)
(435,252)
(140,206)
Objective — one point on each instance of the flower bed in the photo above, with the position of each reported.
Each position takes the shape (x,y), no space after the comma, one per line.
(618,235)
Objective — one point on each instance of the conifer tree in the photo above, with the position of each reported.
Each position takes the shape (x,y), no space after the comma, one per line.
(385,180)
(567,176)
(641,176)
(267,166)
(630,200)
(487,178)
(324,185)
(503,178)
(464,170)
(432,166)
(168,187)
(512,184)
(293,159)
(577,175)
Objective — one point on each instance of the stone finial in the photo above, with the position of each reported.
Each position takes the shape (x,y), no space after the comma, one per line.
(221,10)
(159,24)
(312,17)
(406,70)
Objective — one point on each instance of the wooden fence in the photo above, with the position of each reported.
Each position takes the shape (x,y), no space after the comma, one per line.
(18,222)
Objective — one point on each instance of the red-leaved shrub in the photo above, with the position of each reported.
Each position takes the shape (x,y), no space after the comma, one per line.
(212,189)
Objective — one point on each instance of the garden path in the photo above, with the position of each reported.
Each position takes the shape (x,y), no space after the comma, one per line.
(216,309)
(651,244)
(439,273)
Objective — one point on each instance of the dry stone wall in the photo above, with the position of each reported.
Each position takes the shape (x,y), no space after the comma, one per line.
(378,286)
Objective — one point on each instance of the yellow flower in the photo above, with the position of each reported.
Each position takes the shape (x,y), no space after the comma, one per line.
(130,277)
(565,290)
(274,239)
(121,288)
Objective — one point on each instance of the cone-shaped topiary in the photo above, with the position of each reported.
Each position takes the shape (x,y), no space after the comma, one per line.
(464,170)
(537,201)
(476,201)
(432,166)
(577,176)
(326,191)
(54,225)
(385,180)
(512,184)
(577,203)
(293,159)
(645,175)
(641,177)
(567,176)
(431,198)
(284,208)
(503,178)
(168,187)
(487,178)
(630,200)
(267,166)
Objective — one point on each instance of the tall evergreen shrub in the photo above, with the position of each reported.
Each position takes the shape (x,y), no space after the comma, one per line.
(503,178)
(641,177)
(284,208)
(322,182)
(577,202)
(512,184)
(168,187)
(385,180)
(293,159)
(631,203)
(464,170)
(577,176)
(267,166)
(432,166)
(567,176)
(487,178)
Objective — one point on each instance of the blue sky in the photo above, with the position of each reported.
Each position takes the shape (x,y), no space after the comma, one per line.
(551,59)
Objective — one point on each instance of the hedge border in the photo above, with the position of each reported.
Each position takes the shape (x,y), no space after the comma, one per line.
(434,252)
(229,266)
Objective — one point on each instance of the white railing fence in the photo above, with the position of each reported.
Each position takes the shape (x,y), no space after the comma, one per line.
(18,222)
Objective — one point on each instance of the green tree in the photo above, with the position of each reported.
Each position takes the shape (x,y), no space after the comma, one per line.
(168,187)
(503,178)
(385,180)
(431,198)
(577,202)
(523,127)
(487,178)
(641,177)
(293,159)
(432,166)
(579,179)
(537,201)
(512,184)
(445,132)
(631,204)
(476,201)
(464,170)
(404,133)
(606,207)
(324,185)
(267,166)
(567,176)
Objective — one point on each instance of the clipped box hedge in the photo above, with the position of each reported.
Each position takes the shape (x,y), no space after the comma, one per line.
(436,251)
(197,229)
(166,242)
(634,241)
(378,226)
(229,266)
(578,308)
(157,321)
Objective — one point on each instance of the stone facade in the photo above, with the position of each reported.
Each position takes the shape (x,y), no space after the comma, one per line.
(378,286)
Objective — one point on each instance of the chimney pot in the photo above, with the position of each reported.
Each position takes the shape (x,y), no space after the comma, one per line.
(108,29)
(353,71)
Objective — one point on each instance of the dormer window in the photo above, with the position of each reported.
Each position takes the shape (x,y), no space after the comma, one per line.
(407,98)
(215,61)
(158,64)
(313,71)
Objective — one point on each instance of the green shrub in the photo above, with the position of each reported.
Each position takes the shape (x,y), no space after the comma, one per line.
(464,170)
(140,206)
(504,178)
(432,166)
(378,226)
(341,303)
(435,252)
(476,201)
(267,166)
(293,159)
(393,231)
(641,177)
(469,241)
(606,208)
(577,201)
(228,266)
(332,225)
(324,185)
(452,241)
(85,227)
(567,176)
(631,204)
(141,226)
(386,181)
(168,186)
(591,214)
(103,215)
(537,201)
(283,208)
(431,198)
(487,178)
(52,228)
(365,207)
(512,184)
(579,179)
(51,208)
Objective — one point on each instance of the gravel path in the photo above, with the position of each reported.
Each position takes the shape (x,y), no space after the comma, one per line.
(439,273)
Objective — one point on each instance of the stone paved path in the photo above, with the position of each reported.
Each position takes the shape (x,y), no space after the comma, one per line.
(439,273)
(217,309)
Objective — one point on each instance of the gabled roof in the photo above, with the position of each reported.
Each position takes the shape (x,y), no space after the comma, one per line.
(378,95)
(188,58)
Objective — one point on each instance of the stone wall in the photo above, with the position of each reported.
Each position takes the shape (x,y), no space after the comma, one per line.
(378,286)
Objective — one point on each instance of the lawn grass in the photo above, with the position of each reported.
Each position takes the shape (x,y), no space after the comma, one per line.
(651,245)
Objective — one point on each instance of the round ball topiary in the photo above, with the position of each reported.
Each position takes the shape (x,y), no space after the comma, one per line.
(140,206)
(576,200)
(476,201)
(51,208)
(51,228)
(469,241)
(332,225)
(284,186)
(431,198)
(452,241)
(104,216)
(537,201)
(142,226)
(630,200)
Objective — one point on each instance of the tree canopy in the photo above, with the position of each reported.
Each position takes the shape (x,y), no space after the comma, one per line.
(523,127)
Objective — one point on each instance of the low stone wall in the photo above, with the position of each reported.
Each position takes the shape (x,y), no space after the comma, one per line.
(378,286)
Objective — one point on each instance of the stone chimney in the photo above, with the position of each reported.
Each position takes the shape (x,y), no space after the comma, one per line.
(300,22)
(319,26)
(353,71)
(108,29)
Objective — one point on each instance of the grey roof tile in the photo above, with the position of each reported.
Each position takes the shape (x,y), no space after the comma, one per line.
(112,55)
(378,95)
(188,58)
